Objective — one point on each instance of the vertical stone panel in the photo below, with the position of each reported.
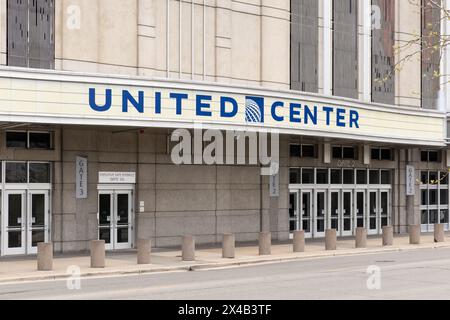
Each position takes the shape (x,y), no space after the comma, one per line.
(146,37)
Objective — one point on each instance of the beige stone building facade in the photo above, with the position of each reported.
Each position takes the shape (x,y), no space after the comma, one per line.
(77,168)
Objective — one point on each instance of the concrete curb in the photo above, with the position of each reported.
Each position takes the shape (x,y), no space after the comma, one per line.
(225,264)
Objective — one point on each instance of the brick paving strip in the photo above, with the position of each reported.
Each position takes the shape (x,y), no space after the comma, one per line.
(13,269)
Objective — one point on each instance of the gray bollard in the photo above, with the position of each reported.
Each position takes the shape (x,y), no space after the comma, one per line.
(414,234)
(388,236)
(144,249)
(299,241)
(98,254)
(228,246)
(330,239)
(361,238)
(439,235)
(188,248)
(265,243)
(45,256)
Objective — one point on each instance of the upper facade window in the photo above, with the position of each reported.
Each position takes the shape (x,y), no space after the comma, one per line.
(304,45)
(31,33)
(29,140)
(303,150)
(347,153)
(383,71)
(431,58)
(345,48)
(382,154)
(430,156)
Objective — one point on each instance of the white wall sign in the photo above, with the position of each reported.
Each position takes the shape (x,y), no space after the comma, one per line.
(117,177)
(410,181)
(81,173)
(275,186)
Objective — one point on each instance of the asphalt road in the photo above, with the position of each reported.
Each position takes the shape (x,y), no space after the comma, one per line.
(421,274)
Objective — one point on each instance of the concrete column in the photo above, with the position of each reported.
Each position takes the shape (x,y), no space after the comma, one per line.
(265,243)
(299,241)
(414,234)
(228,246)
(330,239)
(98,254)
(439,235)
(45,256)
(188,248)
(144,247)
(361,238)
(388,236)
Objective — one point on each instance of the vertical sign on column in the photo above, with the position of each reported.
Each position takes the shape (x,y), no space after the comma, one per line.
(275,185)
(81,177)
(410,181)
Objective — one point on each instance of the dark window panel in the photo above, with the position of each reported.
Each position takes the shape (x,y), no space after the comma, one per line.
(424,156)
(40,140)
(295,150)
(433,156)
(444,178)
(16,139)
(336,176)
(375,154)
(16,172)
(39,172)
(361,177)
(294,176)
(308,151)
(374,177)
(307,176)
(349,153)
(322,176)
(349,177)
(386,154)
(386,177)
(337,152)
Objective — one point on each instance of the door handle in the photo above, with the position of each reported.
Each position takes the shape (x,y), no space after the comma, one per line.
(33,220)
(19,220)
(108,218)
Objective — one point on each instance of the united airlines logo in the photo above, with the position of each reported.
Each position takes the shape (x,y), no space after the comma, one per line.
(254,110)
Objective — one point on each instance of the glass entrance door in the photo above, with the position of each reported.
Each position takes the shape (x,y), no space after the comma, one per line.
(37,219)
(320,214)
(25,222)
(384,209)
(373,213)
(306,218)
(334,216)
(360,209)
(115,219)
(293,211)
(347,223)
(14,223)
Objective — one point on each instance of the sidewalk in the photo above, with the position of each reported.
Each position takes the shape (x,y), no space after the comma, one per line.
(122,263)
